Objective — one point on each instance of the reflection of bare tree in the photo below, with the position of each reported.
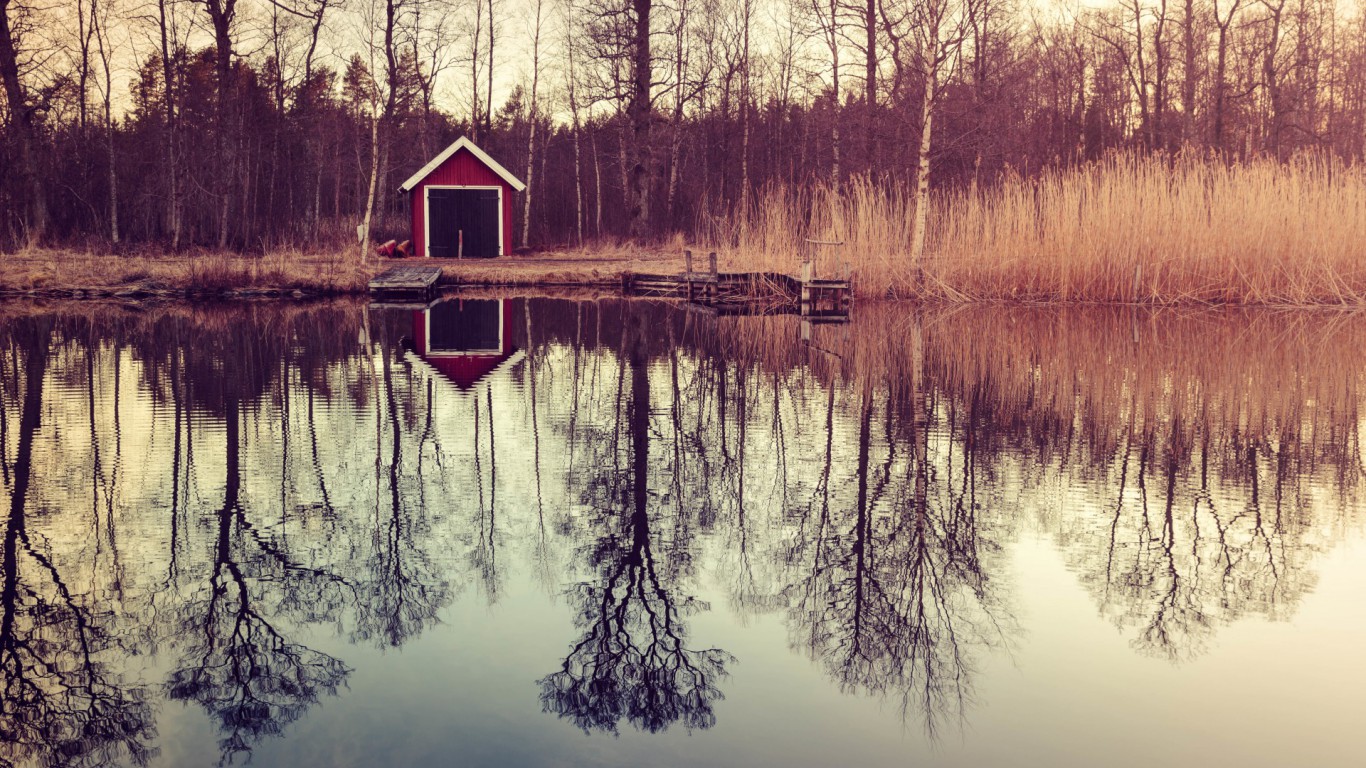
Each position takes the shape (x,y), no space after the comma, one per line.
(895,598)
(237,663)
(406,585)
(632,662)
(1177,562)
(60,704)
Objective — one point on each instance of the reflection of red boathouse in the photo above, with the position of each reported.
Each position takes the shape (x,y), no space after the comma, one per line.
(464,339)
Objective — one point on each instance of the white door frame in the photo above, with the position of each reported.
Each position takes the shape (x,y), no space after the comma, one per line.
(427,213)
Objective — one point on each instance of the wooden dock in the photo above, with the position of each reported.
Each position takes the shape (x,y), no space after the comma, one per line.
(405,284)
(748,293)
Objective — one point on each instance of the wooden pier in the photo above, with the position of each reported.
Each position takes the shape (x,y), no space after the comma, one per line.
(749,293)
(405,284)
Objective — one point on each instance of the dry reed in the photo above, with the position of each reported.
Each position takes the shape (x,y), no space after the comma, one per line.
(1148,229)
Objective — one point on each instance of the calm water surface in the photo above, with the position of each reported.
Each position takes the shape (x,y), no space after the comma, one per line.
(508,531)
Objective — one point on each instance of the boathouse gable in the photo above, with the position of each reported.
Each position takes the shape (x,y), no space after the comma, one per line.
(460,204)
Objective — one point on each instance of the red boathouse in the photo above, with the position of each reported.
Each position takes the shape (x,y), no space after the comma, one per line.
(461,204)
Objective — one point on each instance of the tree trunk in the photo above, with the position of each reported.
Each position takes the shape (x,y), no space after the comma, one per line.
(870,82)
(597,186)
(1272,82)
(221,14)
(370,195)
(475,38)
(744,121)
(172,169)
(21,127)
(1161,64)
(577,129)
(1220,87)
(109,147)
(531,134)
(922,175)
(1188,82)
(488,111)
(832,39)
(638,111)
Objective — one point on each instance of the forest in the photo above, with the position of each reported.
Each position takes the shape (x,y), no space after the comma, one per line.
(261,125)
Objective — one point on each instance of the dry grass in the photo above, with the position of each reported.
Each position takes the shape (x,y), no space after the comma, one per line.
(43,270)
(66,272)
(1146,229)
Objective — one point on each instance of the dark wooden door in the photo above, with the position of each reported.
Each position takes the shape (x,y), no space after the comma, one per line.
(471,215)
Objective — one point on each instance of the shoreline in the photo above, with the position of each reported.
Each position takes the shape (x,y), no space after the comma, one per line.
(65,275)
(206,276)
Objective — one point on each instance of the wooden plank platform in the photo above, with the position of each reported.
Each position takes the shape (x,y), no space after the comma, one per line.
(405,282)
(748,293)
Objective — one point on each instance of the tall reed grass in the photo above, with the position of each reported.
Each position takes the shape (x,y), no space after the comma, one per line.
(1128,228)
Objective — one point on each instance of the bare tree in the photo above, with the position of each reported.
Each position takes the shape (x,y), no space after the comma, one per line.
(534,118)
(381,98)
(432,55)
(100,14)
(21,109)
(829,21)
(570,45)
(934,31)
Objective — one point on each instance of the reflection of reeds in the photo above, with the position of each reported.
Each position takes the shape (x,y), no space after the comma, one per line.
(1125,229)
(1190,465)
(1272,378)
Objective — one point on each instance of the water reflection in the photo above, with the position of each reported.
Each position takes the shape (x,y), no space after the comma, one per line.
(63,701)
(228,491)
(632,662)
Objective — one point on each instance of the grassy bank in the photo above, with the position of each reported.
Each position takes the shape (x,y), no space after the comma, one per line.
(1154,229)
(51,272)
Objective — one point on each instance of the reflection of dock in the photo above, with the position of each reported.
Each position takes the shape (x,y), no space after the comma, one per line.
(406,283)
(749,293)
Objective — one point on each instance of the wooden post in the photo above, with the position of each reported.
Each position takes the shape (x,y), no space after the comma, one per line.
(460,244)
(687,262)
(808,274)
(711,264)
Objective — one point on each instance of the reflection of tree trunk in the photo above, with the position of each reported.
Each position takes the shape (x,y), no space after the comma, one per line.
(30,416)
(176,453)
(391,559)
(863,523)
(493,459)
(232,485)
(317,465)
(96,466)
(640,447)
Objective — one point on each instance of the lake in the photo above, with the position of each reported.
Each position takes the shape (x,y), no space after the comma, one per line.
(563,531)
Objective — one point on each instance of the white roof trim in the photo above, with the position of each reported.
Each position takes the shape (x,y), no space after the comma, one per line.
(462,143)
